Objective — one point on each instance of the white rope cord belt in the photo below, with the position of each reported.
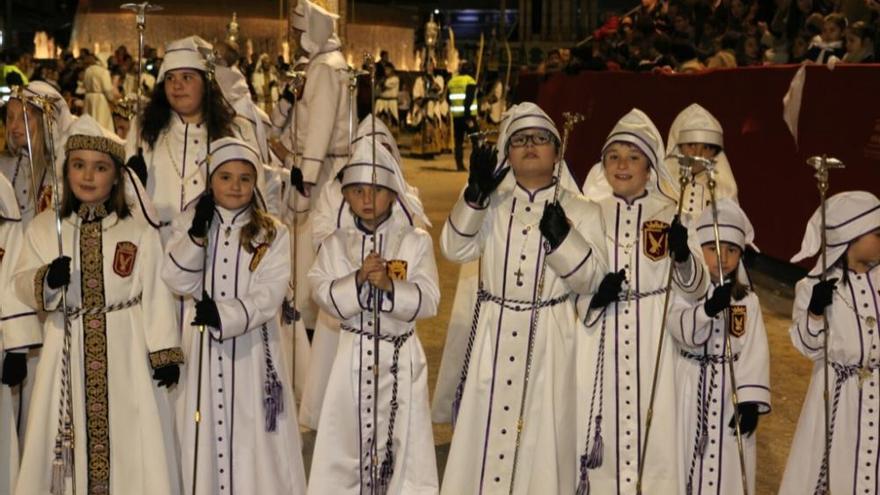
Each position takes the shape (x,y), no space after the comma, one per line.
(97,310)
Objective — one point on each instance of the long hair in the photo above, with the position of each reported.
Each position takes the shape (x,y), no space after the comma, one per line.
(117,202)
(157,115)
(260,229)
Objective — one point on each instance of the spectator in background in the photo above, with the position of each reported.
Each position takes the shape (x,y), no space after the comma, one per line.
(749,52)
(860,39)
(13,71)
(725,58)
(830,42)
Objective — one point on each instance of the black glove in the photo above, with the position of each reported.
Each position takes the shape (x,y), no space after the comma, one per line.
(823,292)
(14,369)
(288,95)
(748,418)
(59,272)
(167,375)
(719,301)
(481,178)
(137,165)
(678,241)
(206,312)
(204,214)
(608,290)
(296,180)
(554,225)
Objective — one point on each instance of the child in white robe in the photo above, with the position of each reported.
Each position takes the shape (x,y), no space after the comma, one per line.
(710,455)
(350,273)
(234,259)
(850,300)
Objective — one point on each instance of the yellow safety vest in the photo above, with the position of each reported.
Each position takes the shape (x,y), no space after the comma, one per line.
(457,92)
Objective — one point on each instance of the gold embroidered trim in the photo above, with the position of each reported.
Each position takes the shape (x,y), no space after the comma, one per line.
(165,357)
(96,143)
(39,286)
(90,213)
(95,360)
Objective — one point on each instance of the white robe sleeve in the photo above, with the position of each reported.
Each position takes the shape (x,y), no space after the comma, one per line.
(462,237)
(418,296)
(807,331)
(19,325)
(184,260)
(753,367)
(322,97)
(267,288)
(690,277)
(157,304)
(30,275)
(334,282)
(688,322)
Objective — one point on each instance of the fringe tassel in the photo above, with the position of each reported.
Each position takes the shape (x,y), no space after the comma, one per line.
(57,486)
(583,487)
(273,402)
(386,471)
(594,458)
(689,489)
(704,441)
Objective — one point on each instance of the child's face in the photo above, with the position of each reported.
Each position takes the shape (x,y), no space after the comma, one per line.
(865,250)
(91,175)
(627,169)
(831,32)
(853,44)
(185,89)
(233,184)
(730,255)
(701,150)
(361,198)
(15,129)
(532,153)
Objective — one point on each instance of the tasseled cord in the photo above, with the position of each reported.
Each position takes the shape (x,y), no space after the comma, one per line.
(592,460)
(62,464)
(273,399)
(386,471)
(456,404)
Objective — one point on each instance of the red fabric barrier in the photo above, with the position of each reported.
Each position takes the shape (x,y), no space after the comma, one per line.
(840,116)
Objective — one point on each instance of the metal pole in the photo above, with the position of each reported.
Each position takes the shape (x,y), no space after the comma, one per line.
(140,10)
(685,164)
(727,340)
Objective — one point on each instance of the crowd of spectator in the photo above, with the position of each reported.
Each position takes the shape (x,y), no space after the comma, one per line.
(694,35)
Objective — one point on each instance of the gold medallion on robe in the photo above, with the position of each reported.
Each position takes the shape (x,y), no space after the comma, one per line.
(259,252)
(123,260)
(396,269)
(737,321)
(655,236)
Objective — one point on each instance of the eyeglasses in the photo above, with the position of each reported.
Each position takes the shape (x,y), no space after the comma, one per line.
(520,140)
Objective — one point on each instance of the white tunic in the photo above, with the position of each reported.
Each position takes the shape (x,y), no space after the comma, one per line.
(12,421)
(236,452)
(99,93)
(704,390)
(624,367)
(122,419)
(341,462)
(854,383)
(17,171)
(483,457)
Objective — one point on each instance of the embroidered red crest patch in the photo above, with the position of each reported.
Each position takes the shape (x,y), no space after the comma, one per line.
(123,261)
(655,236)
(737,321)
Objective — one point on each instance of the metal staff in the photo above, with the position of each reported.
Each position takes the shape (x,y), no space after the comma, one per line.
(67,450)
(685,164)
(20,92)
(728,351)
(822,164)
(209,75)
(374,454)
(140,10)
(571,118)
